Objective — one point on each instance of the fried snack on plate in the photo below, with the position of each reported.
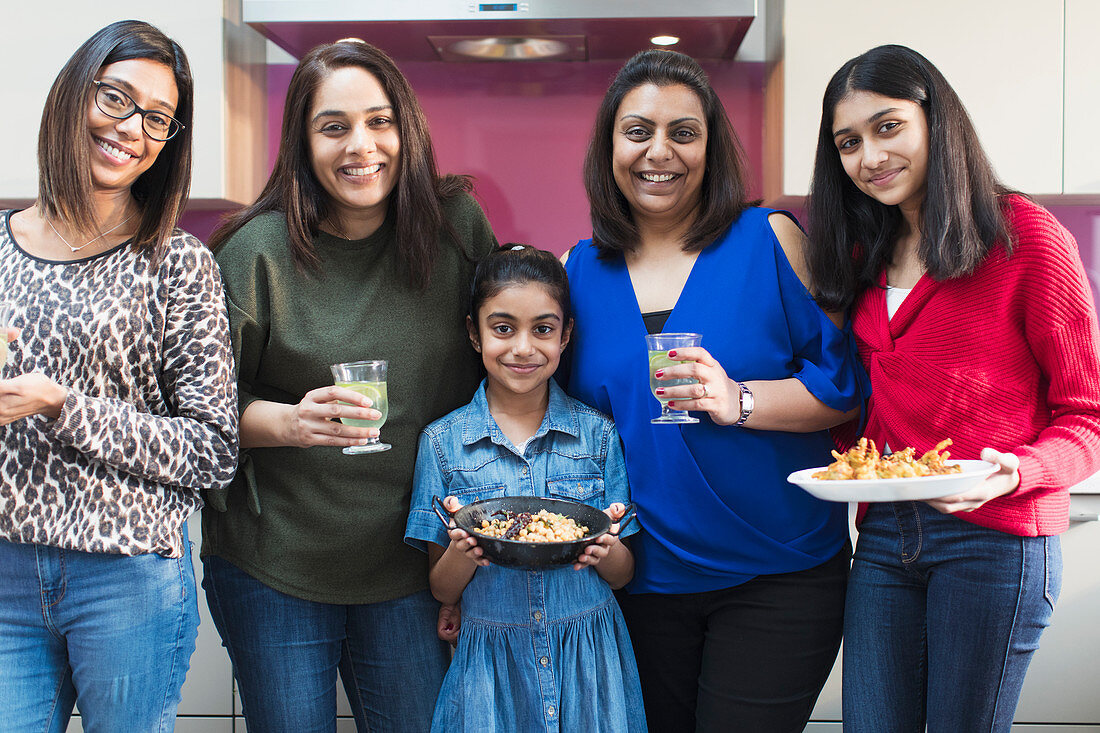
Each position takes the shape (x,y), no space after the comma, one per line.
(863,461)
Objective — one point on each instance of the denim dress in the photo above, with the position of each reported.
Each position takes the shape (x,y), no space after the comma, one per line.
(538,650)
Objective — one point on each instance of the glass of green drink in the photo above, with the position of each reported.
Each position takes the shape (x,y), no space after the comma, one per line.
(659,345)
(7,315)
(367,378)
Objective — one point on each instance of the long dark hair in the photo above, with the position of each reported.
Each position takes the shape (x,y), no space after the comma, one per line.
(724,193)
(294,190)
(519,264)
(64,170)
(851,235)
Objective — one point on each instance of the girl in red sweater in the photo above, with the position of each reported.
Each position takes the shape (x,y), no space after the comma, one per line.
(975,322)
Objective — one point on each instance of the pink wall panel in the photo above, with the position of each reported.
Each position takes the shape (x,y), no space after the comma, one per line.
(521,130)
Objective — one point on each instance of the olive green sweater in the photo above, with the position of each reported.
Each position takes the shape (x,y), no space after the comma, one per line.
(312,522)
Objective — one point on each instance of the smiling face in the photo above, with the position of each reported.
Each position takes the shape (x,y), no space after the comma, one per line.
(354,143)
(520,335)
(120,149)
(883,145)
(659,151)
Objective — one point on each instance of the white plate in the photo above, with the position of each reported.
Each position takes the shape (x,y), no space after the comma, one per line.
(915,488)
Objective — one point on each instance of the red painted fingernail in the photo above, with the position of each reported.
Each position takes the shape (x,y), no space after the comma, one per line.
(672,353)
(660,390)
(671,404)
(659,373)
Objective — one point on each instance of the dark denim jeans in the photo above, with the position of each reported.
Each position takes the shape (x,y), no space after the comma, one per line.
(286,652)
(114,632)
(942,619)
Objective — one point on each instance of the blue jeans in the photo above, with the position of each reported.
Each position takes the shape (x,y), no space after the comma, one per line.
(110,632)
(942,619)
(286,652)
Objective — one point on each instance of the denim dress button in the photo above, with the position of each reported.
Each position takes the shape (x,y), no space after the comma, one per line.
(550,711)
(544,661)
(537,615)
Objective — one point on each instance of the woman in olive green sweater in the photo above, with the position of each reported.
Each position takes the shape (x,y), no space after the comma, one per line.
(356,249)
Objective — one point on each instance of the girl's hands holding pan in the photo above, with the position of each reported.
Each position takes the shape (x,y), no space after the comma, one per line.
(599,549)
(462,541)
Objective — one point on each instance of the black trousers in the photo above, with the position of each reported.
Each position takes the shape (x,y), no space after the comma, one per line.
(749,658)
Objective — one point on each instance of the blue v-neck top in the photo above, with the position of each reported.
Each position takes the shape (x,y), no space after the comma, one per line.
(713,501)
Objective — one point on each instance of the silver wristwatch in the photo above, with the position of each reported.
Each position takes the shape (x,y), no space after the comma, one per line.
(747,403)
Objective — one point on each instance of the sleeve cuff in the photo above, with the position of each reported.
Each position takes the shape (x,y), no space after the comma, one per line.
(74,414)
(424,527)
(1032,475)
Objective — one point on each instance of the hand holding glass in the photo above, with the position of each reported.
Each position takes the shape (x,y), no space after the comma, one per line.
(659,345)
(368,378)
(7,315)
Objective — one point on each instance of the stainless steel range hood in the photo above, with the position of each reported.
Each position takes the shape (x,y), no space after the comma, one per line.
(454,30)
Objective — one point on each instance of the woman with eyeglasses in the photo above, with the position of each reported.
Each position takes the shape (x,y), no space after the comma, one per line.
(117,402)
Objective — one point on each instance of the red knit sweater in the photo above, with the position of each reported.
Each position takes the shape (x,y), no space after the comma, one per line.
(1006,357)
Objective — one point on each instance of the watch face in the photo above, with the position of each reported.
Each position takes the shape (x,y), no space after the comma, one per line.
(747,403)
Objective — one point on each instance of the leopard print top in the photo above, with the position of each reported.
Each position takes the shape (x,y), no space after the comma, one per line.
(151,413)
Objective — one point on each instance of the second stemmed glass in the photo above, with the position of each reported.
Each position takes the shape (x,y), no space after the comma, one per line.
(659,345)
(368,378)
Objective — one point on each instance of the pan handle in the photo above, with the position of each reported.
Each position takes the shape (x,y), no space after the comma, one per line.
(628,516)
(446,522)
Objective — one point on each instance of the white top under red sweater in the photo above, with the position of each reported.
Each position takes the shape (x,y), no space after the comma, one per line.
(1006,357)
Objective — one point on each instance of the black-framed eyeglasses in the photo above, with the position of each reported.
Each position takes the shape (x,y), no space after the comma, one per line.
(119,105)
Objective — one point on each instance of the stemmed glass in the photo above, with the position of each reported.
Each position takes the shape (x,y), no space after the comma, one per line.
(7,315)
(659,345)
(367,378)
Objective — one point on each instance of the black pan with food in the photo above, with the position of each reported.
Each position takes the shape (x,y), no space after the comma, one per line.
(530,555)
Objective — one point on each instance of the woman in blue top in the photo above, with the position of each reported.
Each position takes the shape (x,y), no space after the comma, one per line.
(737,601)
(540,650)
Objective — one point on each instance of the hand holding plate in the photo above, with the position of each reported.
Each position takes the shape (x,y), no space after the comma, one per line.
(1003,481)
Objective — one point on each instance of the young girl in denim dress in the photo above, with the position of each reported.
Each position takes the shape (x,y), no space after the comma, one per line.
(538,650)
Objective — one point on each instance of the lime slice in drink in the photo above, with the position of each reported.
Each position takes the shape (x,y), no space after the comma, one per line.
(370,391)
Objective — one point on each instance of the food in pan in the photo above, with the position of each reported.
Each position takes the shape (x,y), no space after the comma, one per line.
(863,461)
(542,526)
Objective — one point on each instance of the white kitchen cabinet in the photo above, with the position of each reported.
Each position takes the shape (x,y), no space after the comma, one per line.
(227,63)
(1005,60)
(208,688)
(1082,170)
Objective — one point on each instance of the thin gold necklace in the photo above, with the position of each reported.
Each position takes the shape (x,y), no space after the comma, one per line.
(338,230)
(96,239)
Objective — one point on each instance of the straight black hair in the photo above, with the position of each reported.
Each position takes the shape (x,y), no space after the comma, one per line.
(293,190)
(724,192)
(64,168)
(851,235)
(518,264)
